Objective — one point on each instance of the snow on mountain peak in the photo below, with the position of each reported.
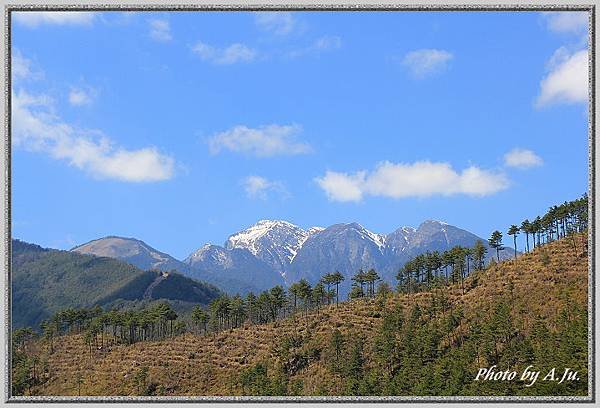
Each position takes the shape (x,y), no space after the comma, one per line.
(274,242)
(218,254)
(377,239)
(253,237)
(200,251)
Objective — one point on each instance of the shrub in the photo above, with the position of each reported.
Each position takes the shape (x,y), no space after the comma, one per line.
(544,257)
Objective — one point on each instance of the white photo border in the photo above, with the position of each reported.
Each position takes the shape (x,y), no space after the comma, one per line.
(335,5)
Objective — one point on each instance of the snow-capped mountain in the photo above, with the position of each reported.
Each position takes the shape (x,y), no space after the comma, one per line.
(275,252)
(350,247)
(133,251)
(274,242)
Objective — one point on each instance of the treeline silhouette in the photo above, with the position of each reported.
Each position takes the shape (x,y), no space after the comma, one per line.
(560,221)
(101,328)
(433,269)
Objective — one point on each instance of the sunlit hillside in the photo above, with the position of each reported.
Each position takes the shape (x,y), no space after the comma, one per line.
(531,311)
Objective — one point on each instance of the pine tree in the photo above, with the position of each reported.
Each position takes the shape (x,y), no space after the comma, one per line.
(479,251)
(304,292)
(336,279)
(370,278)
(318,295)
(360,279)
(526,228)
(336,346)
(238,310)
(514,231)
(327,279)
(278,297)
(294,291)
(200,317)
(495,242)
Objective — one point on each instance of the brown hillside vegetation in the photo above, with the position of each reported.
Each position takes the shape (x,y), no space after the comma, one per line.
(544,294)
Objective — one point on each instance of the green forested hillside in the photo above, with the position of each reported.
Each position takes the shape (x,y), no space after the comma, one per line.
(46,281)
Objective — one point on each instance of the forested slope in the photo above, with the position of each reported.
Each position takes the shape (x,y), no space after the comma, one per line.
(46,281)
(529,311)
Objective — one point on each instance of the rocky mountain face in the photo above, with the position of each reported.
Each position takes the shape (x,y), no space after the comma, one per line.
(342,247)
(235,269)
(273,252)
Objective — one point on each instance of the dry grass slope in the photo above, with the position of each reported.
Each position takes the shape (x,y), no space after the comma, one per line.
(537,285)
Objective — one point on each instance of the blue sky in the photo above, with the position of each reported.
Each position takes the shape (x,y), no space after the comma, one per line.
(182,128)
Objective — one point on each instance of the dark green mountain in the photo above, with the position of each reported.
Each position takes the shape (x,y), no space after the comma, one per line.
(45,281)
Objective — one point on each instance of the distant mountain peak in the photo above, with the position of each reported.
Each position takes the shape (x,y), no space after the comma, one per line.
(105,238)
(274,242)
(131,250)
(251,237)
(208,247)
(271,223)
(113,246)
(272,252)
(434,222)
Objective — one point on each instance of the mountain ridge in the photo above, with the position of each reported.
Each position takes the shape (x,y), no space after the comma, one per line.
(278,252)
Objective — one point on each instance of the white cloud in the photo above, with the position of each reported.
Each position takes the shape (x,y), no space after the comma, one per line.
(160,30)
(81,97)
(224,56)
(342,186)
(277,22)
(522,158)
(426,62)
(35,127)
(567,21)
(36,18)
(259,187)
(326,43)
(419,179)
(265,141)
(567,81)
(22,68)
(560,55)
